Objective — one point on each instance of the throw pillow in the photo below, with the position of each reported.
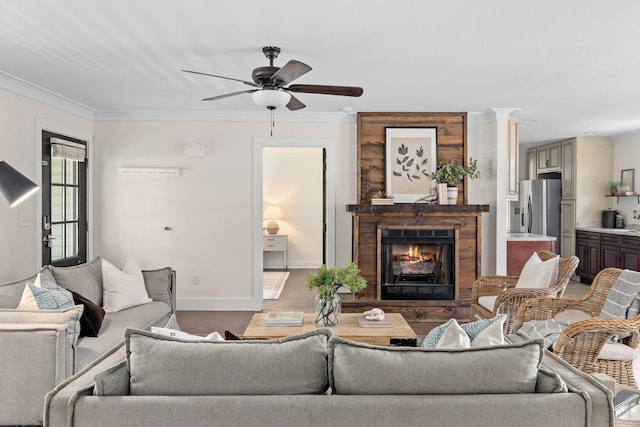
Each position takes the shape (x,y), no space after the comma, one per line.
(472,330)
(92,316)
(455,336)
(537,273)
(168,332)
(44,294)
(123,288)
(85,279)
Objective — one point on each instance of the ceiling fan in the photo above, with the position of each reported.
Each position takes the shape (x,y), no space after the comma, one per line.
(269,83)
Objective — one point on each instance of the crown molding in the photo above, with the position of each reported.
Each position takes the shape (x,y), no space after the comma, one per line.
(225,116)
(47,97)
(39,94)
(632,135)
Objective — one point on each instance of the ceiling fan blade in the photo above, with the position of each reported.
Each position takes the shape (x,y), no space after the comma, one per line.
(291,71)
(222,77)
(213,98)
(295,104)
(327,90)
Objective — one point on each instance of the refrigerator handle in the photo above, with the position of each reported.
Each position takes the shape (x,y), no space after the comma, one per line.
(529,214)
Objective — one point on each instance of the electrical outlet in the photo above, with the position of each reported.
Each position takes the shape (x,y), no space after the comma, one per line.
(195,280)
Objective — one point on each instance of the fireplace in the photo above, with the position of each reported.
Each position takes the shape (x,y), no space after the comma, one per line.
(417,264)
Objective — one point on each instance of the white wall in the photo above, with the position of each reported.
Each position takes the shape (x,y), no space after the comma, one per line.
(21,117)
(626,155)
(292,180)
(208,209)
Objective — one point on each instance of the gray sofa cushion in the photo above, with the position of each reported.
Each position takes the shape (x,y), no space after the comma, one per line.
(113,327)
(69,317)
(84,279)
(356,368)
(158,284)
(168,366)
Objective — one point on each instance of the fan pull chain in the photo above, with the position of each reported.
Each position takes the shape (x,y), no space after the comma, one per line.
(273,120)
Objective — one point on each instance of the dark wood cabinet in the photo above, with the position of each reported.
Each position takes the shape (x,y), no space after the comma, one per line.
(601,250)
(588,251)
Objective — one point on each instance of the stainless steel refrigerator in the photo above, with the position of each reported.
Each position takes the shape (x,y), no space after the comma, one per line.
(538,208)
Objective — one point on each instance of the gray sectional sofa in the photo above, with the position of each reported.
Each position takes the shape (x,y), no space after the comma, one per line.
(316,379)
(40,349)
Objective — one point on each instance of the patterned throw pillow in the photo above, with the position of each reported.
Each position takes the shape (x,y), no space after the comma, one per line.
(46,294)
(472,329)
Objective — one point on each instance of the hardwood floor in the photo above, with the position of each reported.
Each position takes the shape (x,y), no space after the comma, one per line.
(294,296)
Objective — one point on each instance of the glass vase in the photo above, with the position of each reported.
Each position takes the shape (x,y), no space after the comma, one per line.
(328,309)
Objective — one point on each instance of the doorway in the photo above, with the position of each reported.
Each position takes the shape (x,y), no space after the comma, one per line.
(325,222)
(64,200)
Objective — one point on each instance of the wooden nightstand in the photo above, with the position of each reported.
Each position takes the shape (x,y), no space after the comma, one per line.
(276,243)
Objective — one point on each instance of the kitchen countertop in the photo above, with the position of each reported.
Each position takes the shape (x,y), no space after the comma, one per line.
(513,236)
(621,231)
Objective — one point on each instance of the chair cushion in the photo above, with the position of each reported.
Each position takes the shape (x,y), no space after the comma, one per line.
(616,351)
(488,301)
(537,273)
(357,368)
(571,316)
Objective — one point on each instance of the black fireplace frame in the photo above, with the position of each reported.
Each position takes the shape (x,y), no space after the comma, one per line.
(411,234)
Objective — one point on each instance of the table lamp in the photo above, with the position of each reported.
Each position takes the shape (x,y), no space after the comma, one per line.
(272,213)
(14,186)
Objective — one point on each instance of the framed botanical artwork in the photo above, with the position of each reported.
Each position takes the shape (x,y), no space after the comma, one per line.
(411,158)
(627,178)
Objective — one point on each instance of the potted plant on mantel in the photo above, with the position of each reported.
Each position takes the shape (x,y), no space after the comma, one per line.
(328,281)
(448,174)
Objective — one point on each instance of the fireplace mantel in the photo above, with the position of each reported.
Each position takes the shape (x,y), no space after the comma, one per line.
(417,207)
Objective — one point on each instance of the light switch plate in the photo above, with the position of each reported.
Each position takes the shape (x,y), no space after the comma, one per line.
(27,221)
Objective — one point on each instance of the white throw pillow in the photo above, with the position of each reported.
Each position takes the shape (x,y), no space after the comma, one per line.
(455,337)
(123,289)
(537,273)
(168,332)
(488,302)
(491,335)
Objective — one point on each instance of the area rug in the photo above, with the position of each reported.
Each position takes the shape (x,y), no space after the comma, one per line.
(273,283)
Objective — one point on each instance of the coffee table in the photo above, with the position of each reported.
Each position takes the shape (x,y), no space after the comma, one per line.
(398,334)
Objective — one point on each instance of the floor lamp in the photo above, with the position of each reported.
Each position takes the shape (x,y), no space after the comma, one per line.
(14,186)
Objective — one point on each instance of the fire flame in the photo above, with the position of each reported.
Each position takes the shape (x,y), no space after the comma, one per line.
(414,254)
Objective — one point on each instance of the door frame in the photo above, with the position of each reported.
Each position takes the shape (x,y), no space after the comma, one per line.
(54,127)
(257,220)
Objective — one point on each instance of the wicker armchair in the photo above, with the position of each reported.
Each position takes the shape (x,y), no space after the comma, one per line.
(581,342)
(509,298)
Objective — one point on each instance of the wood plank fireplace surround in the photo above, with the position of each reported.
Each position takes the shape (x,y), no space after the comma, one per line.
(451,231)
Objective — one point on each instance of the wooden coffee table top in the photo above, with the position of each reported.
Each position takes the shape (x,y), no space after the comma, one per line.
(347,328)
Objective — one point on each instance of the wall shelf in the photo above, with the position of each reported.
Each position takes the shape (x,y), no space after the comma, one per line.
(617,196)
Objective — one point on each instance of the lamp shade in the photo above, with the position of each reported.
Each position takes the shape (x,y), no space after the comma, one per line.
(14,186)
(273,212)
(271,98)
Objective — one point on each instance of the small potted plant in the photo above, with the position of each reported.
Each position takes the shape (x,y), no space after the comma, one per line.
(448,174)
(327,281)
(613,187)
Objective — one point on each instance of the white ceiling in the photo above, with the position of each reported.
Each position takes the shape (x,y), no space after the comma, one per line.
(572,65)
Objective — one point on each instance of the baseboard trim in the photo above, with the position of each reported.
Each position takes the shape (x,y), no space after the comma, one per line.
(211,304)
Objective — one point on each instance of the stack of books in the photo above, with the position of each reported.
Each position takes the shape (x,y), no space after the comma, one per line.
(381,201)
(284,318)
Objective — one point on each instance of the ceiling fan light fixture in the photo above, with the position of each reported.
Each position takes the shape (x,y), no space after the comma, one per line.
(271,98)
